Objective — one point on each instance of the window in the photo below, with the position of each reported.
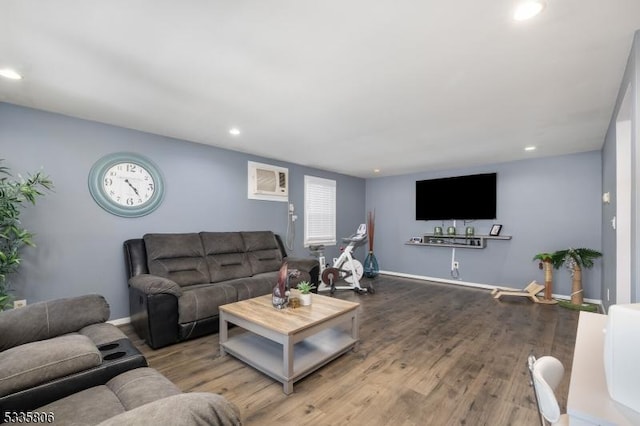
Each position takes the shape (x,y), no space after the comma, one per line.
(319,211)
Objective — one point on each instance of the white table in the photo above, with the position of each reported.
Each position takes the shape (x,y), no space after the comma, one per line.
(589,402)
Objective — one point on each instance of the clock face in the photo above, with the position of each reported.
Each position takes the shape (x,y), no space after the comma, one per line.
(126,184)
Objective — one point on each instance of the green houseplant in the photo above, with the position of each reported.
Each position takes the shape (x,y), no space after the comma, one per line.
(575,260)
(14,193)
(305,287)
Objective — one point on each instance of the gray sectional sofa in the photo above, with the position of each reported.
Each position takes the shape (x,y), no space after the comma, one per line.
(178,281)
(61,363)
(49,350)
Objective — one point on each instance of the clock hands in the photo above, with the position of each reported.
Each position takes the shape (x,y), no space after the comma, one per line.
(132,187)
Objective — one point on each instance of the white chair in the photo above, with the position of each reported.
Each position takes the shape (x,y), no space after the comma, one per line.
(546,373)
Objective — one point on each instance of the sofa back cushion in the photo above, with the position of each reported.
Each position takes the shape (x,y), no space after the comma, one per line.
(178,257)
(263,251)
(226,257)
(44,320)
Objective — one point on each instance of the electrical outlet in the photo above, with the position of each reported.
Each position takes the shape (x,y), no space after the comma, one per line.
(19,303)
(456,264)
(291,207)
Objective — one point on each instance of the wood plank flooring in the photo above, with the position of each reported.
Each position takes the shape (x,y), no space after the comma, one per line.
(430,354)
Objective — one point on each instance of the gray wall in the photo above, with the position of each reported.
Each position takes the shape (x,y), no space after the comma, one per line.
(545,204)
(80,245)
(630,79)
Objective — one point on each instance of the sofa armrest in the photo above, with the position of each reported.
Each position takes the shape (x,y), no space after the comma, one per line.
(301,264)
(187,409)
(152,284)
(154,317)
(309,268)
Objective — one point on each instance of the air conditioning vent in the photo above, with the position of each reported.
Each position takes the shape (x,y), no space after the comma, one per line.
(267,182)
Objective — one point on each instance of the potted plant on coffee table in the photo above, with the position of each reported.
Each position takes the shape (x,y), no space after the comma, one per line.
(305,287)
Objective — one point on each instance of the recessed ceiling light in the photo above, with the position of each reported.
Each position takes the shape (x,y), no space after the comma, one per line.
(234,131)
(530,148)
(9,73)
(528,9)
(376,170)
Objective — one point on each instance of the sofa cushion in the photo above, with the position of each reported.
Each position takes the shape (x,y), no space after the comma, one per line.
(263,251)
(255,286)
(141,386)
(44,320)
(124,392)
(223,267)
(222,242)
(187,409)
(202,301)
(264,260)
(226,256)
(259,240)
(87,407)
(178,257)
(34,363)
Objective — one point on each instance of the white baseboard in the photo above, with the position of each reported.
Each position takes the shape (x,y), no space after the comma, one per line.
(439,280)
(476,285)
(120,321)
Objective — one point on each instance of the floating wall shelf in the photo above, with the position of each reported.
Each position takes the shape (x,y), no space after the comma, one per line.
(461,241)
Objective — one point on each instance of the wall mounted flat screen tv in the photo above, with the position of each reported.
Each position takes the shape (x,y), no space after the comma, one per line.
(460,197)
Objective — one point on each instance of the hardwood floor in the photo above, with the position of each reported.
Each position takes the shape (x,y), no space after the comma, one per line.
(430,354)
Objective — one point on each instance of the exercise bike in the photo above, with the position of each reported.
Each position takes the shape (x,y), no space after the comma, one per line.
(345,267)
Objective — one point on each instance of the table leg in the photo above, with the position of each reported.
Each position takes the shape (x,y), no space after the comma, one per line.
(222,332)
(355,330)
(287,364)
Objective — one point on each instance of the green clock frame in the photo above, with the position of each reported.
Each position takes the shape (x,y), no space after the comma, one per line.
(96,187)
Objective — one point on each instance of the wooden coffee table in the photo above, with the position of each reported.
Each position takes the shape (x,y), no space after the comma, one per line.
(289,344)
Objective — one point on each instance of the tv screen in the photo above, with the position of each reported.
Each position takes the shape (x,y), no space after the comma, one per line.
(460,197)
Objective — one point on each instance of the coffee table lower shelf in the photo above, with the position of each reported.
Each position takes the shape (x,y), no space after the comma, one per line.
(309,354)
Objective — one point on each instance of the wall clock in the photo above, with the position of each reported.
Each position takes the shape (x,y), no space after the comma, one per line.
(126,184)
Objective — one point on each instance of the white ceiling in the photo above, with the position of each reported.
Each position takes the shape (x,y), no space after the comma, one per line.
(347,86)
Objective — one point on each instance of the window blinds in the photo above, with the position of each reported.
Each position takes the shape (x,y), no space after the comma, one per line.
(319,211)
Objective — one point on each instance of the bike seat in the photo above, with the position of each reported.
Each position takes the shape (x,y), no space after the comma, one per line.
(356,238)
